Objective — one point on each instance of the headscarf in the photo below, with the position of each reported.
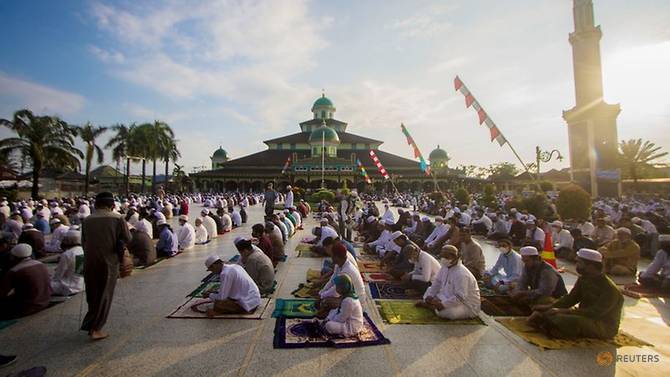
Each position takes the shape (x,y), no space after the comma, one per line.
(344,286)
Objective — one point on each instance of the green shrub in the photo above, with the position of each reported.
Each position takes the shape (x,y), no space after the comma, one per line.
(546,186)
(536,205)
(322,194)
(298,193)
(573,203)
(438,197)
(489,197)
(462,196)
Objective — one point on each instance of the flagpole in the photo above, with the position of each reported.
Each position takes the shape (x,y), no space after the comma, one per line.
(323,159)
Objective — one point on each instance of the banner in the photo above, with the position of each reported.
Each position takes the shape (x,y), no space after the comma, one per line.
(286,165)
(363,172)
(417,153)
(470,100)
(383,171)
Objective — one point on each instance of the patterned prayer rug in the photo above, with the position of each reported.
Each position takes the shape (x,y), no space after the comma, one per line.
(305,291)
(392,291)
(405,312)
(640,291)
(375,266)
(376,276)
(484,291)
(204,287)
(307,254)
(294,308)
(302,333)
(197,308)
(313,274)
(519,327)
(503,306)
(367,258)
(303,247)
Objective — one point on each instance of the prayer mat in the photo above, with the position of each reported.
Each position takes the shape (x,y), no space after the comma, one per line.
(313,274)
(641,291)
(305,333)
(303,247)
(376,276)
(406,313)
(6,323)
(204,287)
(294,308)
(305,291)
(211,277)
(307,240)
(197,308)
(519,327)
(370,266)
(485,291)
(155,262)
(327,265)
(503,306)
(235,258)
(392,291)
(308,254)
(366,258)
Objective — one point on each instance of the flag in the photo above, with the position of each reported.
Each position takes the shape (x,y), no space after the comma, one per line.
(363,172)
(417,153)
(374,158)
(286,165)
(470,100)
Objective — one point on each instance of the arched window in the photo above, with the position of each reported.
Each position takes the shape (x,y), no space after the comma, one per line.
(323,114)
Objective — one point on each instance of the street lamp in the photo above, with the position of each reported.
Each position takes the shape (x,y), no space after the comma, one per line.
(545,156)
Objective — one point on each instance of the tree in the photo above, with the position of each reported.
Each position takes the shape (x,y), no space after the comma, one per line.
(636,156)
(502,170)
(472,171)
(120,144)
(489,197)
(43,142)
(88,133)
(462,196)
(573,203)
(158,137)
(170,152)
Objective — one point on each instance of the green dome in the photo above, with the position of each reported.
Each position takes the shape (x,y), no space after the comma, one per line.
(323,102)
(330,135)
(438,154)
(220,153)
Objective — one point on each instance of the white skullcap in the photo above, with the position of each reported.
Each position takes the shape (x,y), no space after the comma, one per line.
(439,219)
(211,260)
(288,187)
(204,211)
(590,254)
(396,234)
(28,226)
(370,219)
(636,220)
(54,221)
(528,251)
(238,239)
(72,236)
(22,250)
(324,220)
(513,210)
(557,224)
(624,230)
(530,222)
(183,217)
(664,238)
(425,218)
(161,222)
(457,210)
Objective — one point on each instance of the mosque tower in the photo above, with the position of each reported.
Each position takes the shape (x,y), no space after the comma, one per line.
(592,129)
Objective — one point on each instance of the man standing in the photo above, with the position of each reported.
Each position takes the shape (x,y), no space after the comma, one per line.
(269,197)
(103,235)
(288,202)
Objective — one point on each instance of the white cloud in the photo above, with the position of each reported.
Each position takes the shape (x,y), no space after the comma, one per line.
(37,97)
(107,56)
(428,21)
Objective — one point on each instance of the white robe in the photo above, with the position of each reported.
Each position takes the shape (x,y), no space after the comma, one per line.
(457,290)
(347,320)
(426,268)
(349,269)
(210,225)
(236,284)
(438,232)
(201,235)
(288,202)
(65,281)
(186,236)
(53,245)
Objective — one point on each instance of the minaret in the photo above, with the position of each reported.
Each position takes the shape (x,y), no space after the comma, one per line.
(592,130)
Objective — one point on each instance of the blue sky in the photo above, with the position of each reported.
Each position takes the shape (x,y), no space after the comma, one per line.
(237,72)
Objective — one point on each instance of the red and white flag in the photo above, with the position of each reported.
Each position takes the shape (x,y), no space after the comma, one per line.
(481,113)
(375,159)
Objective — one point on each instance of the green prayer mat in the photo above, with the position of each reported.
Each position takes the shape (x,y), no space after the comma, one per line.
(484,291)
(204,287)
(305,291)
(294,308)
(406,313)
(519,327)
(7,323)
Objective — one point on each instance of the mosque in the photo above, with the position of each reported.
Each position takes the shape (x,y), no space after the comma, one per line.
(324,141)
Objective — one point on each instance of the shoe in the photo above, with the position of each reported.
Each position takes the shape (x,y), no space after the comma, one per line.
(6,360)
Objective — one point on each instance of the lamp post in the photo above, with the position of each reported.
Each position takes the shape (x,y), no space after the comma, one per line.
(545,156)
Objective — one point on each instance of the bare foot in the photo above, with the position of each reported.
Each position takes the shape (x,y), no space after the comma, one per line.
(98,335)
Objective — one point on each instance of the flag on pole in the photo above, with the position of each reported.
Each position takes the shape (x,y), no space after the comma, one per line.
(363,172)
(286,165)
(470,100)
(417,153)
(374,158)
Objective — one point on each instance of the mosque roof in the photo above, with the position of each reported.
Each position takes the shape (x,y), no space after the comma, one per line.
(324,133)
(323,101)
(438,154)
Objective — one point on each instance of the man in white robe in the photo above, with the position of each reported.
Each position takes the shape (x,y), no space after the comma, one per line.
(288,202)
(440,230)
(454,293)
(201,235)
(328,297)
(185,234)
(68,279)
(58,231)
(209,224)
(237,294)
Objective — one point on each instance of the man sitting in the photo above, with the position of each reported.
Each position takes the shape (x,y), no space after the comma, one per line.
(328,297)
(454,293)
(540,283)
(657,274)
(167,244)
(185,234)
(563,241)
(580,242)
(34,238)
(471,254)
(201,235)
(600,302)
(347,319)
(141,246)
(262,240)
(237,294)
(426,268)
(29,280)
(398,263)
(620,256)
(257,264)
(58,231)
(507,270)
(68,279)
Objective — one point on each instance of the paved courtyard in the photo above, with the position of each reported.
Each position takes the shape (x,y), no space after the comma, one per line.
(144,342)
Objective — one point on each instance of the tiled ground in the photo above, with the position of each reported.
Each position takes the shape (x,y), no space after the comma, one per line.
(145,343)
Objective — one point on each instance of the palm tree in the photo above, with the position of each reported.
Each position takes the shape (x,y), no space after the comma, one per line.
(634,155)
(161,137)
(120,144)
(143,145)
(88,133)
(170,153)
(43,141)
